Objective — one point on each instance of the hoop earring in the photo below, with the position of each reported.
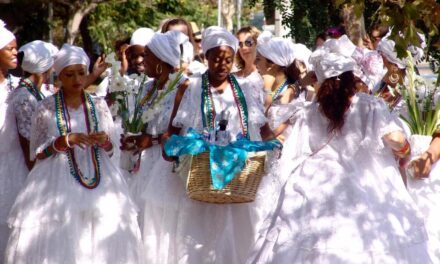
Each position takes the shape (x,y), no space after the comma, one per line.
(158,70)
(394,78)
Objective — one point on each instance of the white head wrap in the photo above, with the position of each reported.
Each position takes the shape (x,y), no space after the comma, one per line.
(168,47)
(386,46)
(6,36)
(302,53)
(215,36)
(329,64)
(279,50)
(141,36)
(70,55)
(38,56)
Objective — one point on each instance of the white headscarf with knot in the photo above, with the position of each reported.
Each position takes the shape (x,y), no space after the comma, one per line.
(329,64)
(141,36)
(215,36)
(279,50)
(386,46)
(38,56)
(302,54)
(70,55)
(6,36)
(169,46)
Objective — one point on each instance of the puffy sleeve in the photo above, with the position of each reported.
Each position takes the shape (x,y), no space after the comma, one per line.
(24,105)
(378,122)
(188,114)
(40,135)
(254,105)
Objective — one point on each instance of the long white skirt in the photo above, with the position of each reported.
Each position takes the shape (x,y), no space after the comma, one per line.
(56,220)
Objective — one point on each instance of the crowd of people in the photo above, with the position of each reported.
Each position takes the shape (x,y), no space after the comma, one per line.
(337,192)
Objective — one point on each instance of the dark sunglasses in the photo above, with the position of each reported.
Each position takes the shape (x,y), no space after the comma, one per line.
(248,43)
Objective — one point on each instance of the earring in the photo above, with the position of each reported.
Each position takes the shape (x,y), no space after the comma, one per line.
(158,70)
(394,78)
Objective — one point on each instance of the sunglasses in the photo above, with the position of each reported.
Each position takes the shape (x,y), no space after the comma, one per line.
(248,43)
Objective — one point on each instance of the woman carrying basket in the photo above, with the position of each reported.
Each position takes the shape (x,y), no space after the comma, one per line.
(210,233)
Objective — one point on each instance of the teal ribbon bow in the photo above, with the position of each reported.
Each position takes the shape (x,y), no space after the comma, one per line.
(225,161)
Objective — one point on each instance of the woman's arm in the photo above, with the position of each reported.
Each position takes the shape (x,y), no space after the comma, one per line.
(172,130)
(422,166)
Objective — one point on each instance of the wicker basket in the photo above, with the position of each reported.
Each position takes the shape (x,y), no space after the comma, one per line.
(242,189)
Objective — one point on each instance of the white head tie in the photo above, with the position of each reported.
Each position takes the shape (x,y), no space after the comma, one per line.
(38,56)
(6,36)
(215,36)
(168,47)
(279,50)
(70,55)
(141,36)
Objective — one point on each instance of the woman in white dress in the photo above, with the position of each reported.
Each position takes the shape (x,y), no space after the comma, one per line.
(245,60)
(424,188)
(11,156)
(37,64)
(343,201)
(75,205)
(162,60)
(213,233)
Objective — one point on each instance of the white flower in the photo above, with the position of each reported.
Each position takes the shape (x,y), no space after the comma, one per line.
(117,84)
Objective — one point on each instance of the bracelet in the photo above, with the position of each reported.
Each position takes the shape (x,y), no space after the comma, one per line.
(405,150)
(54,148)
(67,140)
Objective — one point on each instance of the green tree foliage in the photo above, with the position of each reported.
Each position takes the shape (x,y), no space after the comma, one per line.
(114,20)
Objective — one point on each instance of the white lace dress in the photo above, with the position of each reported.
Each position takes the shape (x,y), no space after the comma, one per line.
(194,232)
(426,195)
(13,169)
(56,220)
(256,82)
(140,180)
(343,201)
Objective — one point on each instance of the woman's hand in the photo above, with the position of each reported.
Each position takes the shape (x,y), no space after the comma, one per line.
(136,143)
(163,140)
(100,138)
(80,139)
(422,165)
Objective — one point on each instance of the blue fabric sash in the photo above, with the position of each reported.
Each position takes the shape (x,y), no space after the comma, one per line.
(225,161)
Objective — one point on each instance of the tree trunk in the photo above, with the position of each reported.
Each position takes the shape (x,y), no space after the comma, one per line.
(228,12)
(354,25)
(76,16)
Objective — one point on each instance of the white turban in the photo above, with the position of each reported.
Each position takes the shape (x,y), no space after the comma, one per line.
(302,53)
(38,56)
(70,55)
(167,46)
(386,47)
(279,50)
(215,36)
(141,36)
(6,36)
(328,64)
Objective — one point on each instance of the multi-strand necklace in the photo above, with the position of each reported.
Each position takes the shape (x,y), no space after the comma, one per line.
(31,88)
(208,108)
(64,127)
(280,90)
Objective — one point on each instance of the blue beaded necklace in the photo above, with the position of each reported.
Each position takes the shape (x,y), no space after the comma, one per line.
(64,127)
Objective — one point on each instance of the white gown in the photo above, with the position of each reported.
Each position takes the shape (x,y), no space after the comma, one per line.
(343,201)
(149,157)
(56,220)
(189,231)
(13,170)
